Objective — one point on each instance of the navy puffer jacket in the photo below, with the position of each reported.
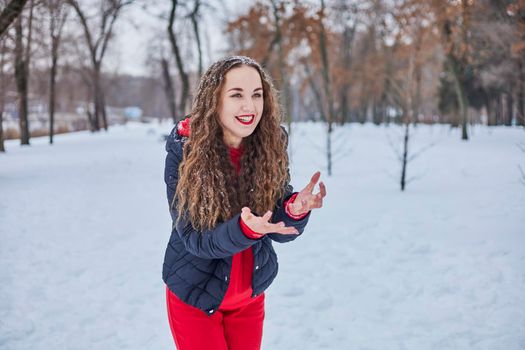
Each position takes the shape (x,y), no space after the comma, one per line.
(197,264)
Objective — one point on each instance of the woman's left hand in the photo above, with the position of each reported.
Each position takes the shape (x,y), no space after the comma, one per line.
(306,200)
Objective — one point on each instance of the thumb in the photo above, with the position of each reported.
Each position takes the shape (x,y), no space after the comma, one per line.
(246,213)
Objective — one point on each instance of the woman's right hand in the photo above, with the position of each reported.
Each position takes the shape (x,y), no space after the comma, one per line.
(262,224)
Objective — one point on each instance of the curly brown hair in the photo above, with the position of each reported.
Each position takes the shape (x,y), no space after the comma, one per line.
(209,191)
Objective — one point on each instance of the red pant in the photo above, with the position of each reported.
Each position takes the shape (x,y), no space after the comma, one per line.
(233,329)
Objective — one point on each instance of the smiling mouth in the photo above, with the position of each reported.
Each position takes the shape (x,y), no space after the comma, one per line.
(246,119)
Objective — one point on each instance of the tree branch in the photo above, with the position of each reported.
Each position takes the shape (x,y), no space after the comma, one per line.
(422,150)
(10,13)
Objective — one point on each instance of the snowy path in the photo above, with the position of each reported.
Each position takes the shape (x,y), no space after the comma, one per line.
(84,224)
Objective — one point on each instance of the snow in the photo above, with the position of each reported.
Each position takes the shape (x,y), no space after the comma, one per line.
(84,224)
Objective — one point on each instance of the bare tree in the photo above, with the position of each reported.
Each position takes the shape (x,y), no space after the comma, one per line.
(110,10)
(3,83)
(455,22)
(10,13)
(349,18)
(22,57)
(327,87)
(278,9)
(400,94)
(58,15)
(168,88)
(408,117)
(178,58)
(195,20)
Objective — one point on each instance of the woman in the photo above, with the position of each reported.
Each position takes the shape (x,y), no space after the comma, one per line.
(228,187)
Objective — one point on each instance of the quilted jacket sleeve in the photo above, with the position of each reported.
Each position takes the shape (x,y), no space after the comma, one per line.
(224,240)
(279,214)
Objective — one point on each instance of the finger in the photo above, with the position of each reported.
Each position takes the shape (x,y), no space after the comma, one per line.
(281,228)
(287,231)
(274,227)
(318,204)
(266,217)
(321,194)
(269,227)
(315,177)
(322,189)
(246,213)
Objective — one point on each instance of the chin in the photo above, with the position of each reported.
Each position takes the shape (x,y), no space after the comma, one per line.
(246,133)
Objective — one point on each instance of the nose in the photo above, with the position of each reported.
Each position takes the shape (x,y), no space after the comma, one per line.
(248,105)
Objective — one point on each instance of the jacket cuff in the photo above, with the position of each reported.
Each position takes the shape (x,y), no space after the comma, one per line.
(287,209)
(248,232)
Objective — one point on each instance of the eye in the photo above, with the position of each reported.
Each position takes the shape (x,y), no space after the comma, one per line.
(257,95)
(236,95)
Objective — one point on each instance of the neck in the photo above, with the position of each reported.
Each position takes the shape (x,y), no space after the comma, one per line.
(233,142)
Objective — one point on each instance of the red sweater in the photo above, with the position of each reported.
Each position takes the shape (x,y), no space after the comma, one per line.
(240,288)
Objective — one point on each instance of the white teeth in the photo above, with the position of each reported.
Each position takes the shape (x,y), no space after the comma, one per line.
(245,119)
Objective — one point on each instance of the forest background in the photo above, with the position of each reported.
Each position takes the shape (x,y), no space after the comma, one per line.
(63,63)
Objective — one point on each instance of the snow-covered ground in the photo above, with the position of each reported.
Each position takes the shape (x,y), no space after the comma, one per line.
(84,224)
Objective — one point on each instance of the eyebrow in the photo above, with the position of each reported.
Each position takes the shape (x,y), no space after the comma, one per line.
(239,89)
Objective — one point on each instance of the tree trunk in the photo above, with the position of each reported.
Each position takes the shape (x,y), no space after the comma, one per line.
(100,101)
(21,84)
(417,99)
(91,119)
(408,116)
(195,22)
(461,97)
(2,148)
(498,109)
(315,90)
(285,91)
(327,86)
(376,116)
(362,112)
(348,39)
(329,148)
(168,89)
(97,103)
(520,117)
(510,110)
(405,154)
(464,120)
(2,94)
(454,118)
(344,104)
(491,113)
(10,13)
(178,58)
(52,81)
(102,108)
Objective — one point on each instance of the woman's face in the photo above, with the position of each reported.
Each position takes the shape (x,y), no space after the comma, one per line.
(241,104)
